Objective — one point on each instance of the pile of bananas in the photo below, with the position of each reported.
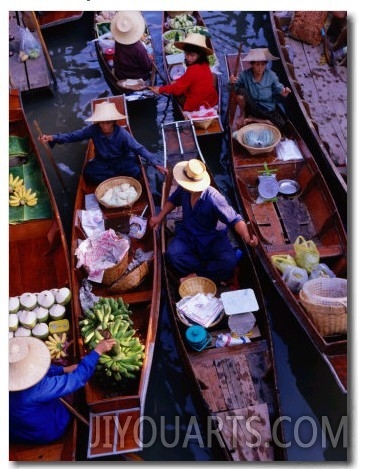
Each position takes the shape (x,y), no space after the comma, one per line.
(110,318)
(19,195)
(57,345)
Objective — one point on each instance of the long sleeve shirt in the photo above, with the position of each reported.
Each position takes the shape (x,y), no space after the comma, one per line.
(36,414)
(117,145)
(131,61)
(263,92)
(197,85)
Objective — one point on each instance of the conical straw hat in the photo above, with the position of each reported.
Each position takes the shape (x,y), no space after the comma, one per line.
(105,111)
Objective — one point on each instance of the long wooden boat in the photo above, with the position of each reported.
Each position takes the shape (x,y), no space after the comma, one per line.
(173,61)
(235,382)
(311,212)
(132,89)
(49,19)
(318,102)
(38,259)
(116,414)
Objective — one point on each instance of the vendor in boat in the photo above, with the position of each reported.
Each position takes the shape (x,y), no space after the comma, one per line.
(196,86)
(201,246)
(131,58)
(36,413)
(116,149)
(258,89)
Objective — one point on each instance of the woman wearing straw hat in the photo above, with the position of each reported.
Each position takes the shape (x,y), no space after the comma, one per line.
(257,90)
(131,59)
(115,149)
(36,414)
(201,246)
(196,87)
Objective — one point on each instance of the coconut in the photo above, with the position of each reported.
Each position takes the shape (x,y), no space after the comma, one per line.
(28,319)
(11,335)
(13,322)
(57,311)
(22,332)
(41,330)
(28,301)
(42,314)
(46,299)
(63,295)
(13,304)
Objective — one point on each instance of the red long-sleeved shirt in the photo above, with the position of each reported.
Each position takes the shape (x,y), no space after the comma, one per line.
(197,85)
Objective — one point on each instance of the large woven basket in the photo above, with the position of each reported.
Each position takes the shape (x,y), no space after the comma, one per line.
(113,182)
(131,280)
(276,137)
(325,300)
(194,285)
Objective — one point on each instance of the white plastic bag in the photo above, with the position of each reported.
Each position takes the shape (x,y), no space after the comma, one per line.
(295,277)
(29,44)
(288,150)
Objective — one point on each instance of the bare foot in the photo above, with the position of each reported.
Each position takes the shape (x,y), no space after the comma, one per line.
(188,276)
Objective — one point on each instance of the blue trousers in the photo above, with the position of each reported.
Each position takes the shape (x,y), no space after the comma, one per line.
(99,169)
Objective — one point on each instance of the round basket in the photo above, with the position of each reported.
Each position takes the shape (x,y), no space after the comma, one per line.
(325,300)
(188,322)
(113,273)
(258,129)
(194,285)
(117,181)
(131,280)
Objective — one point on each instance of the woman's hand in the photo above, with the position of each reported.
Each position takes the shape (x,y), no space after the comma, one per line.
(46,138)
(285,91)
(161,169)
(155,221)
(105,346)
(233,79)
(155,89)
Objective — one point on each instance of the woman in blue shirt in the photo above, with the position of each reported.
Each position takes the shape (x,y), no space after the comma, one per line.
(257,90)
(36,415)
(201,245)
(115,149)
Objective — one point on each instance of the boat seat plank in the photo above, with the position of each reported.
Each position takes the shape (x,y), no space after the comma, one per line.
(249,447)
(268,222)
(206,374)
(260,370)
(296,219)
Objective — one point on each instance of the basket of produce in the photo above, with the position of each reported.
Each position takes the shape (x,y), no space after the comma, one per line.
(203,118)
(182,21)
(173,35)
(325,300)
(131,280)
(258,138)
(194,285)
(172,14)
(118,192)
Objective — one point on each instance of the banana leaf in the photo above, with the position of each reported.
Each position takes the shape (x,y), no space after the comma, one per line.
(18,146)
(32,178)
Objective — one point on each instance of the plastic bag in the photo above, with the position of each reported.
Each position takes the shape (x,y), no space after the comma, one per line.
(29,44)
(306,253)
(321,270)
(295,277)
(288,150)
(281,261)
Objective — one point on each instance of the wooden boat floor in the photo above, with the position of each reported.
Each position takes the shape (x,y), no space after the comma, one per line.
(234,385)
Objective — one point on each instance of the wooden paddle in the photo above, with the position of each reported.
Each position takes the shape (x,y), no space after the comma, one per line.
(231,92)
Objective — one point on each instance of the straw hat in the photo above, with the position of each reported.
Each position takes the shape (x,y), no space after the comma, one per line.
(127,27)
(105,111)
(196,40)
(259,55)
(192,175)
(29,361)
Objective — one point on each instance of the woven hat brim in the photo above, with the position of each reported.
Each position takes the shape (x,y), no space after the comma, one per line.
(102,115)
(190,41)
(136,31)
(259,55)
(183,181)
(30,370)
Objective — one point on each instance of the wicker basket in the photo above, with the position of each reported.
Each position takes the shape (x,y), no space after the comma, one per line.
(113,182)
(131,280)
(202,123)
(258,127)
(113,273)
(194,285)
(187,322)
(325,300)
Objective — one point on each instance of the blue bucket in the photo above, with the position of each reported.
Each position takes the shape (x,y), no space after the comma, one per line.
(197,337)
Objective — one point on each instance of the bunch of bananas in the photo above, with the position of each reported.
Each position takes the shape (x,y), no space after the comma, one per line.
(14,183)
(110,318)
(57,345)
(23,196)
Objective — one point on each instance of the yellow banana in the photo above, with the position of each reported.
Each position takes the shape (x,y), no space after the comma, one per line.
(21,196)
(14,183)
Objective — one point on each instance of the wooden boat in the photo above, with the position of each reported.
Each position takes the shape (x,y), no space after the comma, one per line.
(133,90)
(107,403)
(318,102)
(38,260)
(31,74)
(230,381)
(49,19)
(209,129)
(310,212)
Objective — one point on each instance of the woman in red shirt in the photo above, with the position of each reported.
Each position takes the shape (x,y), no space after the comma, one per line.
(196,86)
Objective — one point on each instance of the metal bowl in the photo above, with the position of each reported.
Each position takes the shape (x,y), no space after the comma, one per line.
(288,186)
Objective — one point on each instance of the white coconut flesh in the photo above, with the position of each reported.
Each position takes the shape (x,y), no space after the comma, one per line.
(62,295)
(41,330)
(46,299)
(28,301)
(13,322)
(28,319)
(42,314)
(14,304)
(22,332)
(57,311)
